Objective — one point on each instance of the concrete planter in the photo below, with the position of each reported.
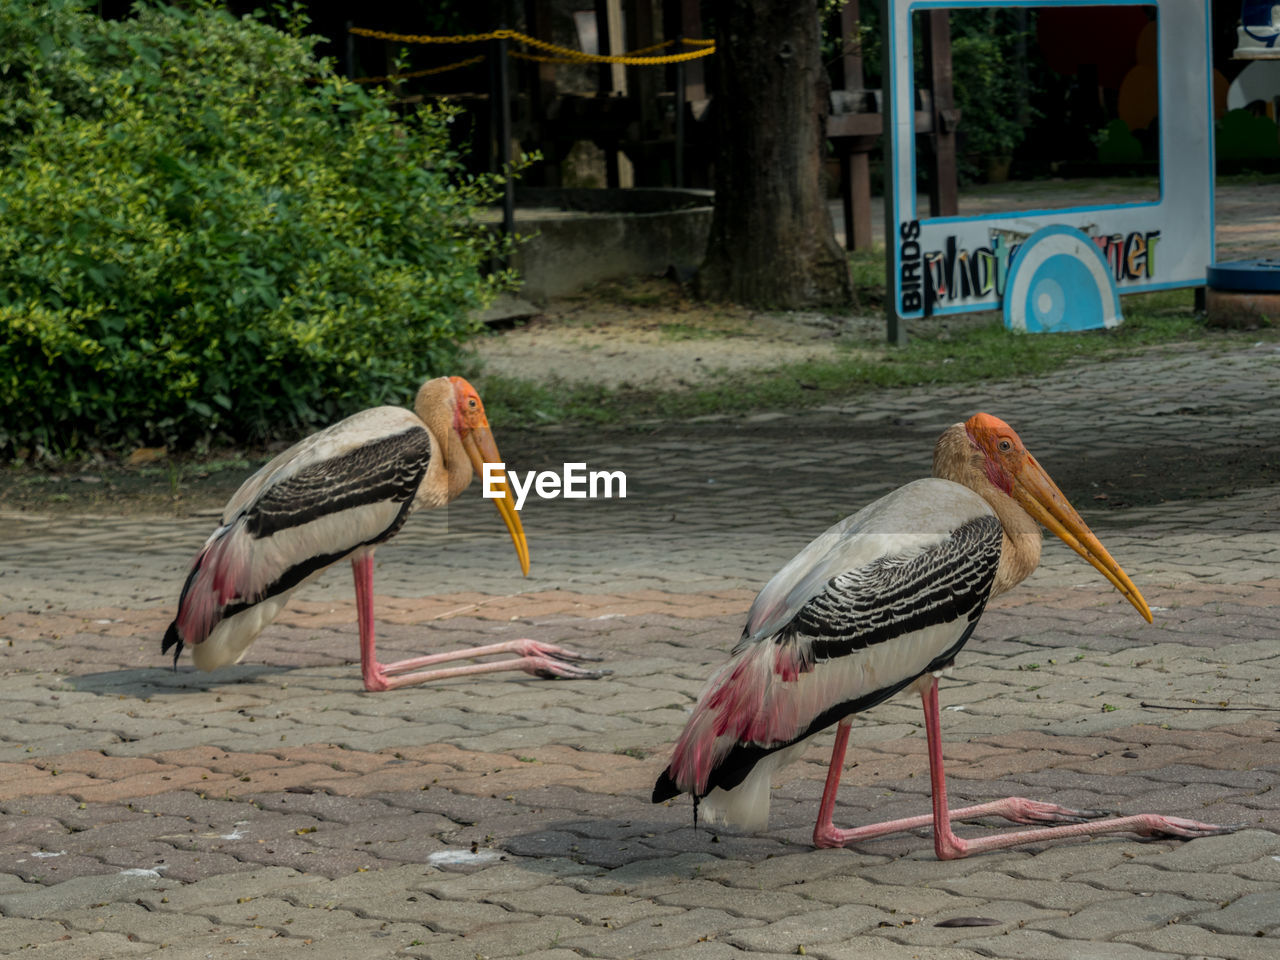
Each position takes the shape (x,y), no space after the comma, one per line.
(576,237)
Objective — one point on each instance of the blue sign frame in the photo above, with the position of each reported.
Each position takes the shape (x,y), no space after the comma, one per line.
(957,264)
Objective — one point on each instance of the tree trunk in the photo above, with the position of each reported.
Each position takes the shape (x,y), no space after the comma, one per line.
(771,242)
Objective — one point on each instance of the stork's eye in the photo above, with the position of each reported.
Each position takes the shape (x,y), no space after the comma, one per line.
(1004,446)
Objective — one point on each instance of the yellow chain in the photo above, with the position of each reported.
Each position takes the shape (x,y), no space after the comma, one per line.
(568,55)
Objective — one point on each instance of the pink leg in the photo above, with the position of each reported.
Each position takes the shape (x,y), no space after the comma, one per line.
(540,659)
(1081,823)
(1016,809)
(950,847)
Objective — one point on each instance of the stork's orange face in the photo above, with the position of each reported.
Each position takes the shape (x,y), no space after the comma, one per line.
(477,439)
(1010,467)
(468,411)
(1004,455)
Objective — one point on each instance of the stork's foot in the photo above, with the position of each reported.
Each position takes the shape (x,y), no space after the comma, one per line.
(1158,826)
(1013,809)
(1022,810)
(550,662)
(950,847)
(532,656)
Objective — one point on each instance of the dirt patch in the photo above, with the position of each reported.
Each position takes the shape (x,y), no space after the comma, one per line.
(649,334)
(182,486)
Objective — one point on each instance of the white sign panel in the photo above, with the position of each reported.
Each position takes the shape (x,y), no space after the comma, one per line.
(955,264)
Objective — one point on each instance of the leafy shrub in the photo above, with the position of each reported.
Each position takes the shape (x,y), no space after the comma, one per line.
(204,232)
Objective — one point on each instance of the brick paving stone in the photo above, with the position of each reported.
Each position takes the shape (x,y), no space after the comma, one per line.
(878,948)
(1035,945)
(833,925)
(844,890)
(1255,914)
(1049,894)
(19,933)
(927,935)
(514,939)
(657,933)
(85,692)
(51,870)
(77,946)
(767,905)
(1120,914)
(654,876)
(709,949)
(1218,853)
(604,910)
(1214,886)
(1265,868)
(920,868)
(135,922)
(225,888)
(1188,940)
(36,901)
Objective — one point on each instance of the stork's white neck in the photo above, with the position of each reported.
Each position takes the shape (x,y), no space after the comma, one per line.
(450,470)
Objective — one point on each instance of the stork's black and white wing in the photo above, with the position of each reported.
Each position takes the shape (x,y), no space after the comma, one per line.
(879,600)
(349,486)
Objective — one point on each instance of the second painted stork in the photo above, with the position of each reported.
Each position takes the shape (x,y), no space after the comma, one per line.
(339,494)
(879,604)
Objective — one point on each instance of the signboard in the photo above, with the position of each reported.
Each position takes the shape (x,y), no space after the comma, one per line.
(964,263)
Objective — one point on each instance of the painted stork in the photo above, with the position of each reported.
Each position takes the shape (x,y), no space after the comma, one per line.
(880,603)
(339,493)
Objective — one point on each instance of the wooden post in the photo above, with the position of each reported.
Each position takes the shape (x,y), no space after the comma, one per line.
(943,200)
(895,326)
(500,129)
(855,152)
(540,80)
(851,47)
(678,173)
(643,84)
(604,37)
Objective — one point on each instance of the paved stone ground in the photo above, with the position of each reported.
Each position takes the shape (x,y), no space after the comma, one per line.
(275,809)
(1245,214)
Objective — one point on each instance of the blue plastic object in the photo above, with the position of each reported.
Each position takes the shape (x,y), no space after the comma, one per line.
(1245,275)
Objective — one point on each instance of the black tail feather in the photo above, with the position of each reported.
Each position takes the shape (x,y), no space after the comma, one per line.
(171,639)
(665,788)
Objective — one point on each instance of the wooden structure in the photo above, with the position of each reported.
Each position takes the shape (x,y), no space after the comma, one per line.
(855,124)
(646,113)
(656,116)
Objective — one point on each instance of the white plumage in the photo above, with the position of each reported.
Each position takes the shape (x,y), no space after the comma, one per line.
(880,603)
(338,494)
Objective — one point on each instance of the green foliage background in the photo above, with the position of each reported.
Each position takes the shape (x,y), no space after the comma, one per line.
(204,232)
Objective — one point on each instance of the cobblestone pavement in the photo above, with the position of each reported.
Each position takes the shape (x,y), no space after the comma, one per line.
(275,809)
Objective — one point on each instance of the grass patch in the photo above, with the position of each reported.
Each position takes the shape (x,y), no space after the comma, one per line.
(964,354)
(867,268)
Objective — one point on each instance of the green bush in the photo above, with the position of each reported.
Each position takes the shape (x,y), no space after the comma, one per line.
(205,233)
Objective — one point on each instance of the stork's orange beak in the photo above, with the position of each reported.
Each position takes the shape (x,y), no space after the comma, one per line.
(481,449)
(1041,498)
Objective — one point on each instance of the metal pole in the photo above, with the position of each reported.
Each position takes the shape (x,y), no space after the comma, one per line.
(679,178)
(504,140)
(895,326)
